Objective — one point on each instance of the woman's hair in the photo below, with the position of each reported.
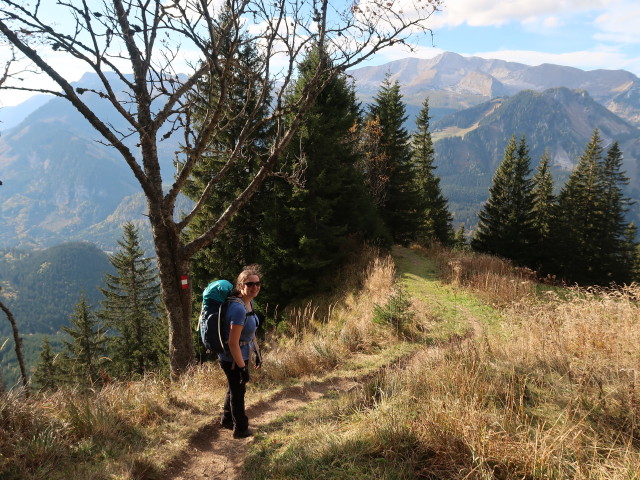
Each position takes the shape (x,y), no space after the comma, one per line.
(244,274)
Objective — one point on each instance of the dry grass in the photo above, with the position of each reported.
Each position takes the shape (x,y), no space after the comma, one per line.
(131,430)
(551,393)
(494,279)
(313,343)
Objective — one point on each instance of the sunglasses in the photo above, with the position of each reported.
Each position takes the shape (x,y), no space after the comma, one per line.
(252,284)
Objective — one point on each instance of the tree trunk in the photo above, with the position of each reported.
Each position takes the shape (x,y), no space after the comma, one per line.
(18,342)
(172,266)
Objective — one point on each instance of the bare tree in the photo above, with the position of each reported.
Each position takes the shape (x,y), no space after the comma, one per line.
(18,341)
(143,41)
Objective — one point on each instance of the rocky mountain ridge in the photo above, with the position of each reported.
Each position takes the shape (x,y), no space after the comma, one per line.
(61,184)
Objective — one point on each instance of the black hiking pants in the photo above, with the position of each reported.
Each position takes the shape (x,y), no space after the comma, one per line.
(234,400)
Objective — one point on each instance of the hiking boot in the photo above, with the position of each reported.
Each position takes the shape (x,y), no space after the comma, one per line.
(228,424)
(242,433)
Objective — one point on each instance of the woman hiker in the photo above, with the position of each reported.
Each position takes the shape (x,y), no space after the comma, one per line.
(242,342)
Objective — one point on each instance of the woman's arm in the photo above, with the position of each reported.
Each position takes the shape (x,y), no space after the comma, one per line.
(234,344)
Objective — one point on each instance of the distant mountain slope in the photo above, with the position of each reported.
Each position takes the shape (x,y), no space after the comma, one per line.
(42,287)
(13,116)
(470,144)
(59,180)
(453,81)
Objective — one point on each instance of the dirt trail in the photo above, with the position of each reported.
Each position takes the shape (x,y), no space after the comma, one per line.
(213,453)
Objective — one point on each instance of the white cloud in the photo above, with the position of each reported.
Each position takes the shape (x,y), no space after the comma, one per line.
(481,13)
(620,25)
(553,22)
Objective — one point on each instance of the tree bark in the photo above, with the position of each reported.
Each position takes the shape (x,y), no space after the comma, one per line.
(18,342)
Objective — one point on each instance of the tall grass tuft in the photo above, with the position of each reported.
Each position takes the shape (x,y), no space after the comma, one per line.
(495,279)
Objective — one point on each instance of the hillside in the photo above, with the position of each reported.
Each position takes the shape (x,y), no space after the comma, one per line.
(62,183)
(470,144)
(41,289)
(458,368)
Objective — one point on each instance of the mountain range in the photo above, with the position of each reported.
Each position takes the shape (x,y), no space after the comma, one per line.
(53,168)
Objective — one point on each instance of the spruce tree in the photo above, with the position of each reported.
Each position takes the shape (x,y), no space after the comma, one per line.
(237,245)
(543,211)
(314,225)
(138,337)
(460,239)
(630,257)
(579,219)
(614,227)
(47,372)
(401,210)
(436,221)
(85,350)
(506,224)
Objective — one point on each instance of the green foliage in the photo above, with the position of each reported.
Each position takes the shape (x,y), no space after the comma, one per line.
(543,210)
(589,231)
(47,373)
(311,227)
(436,218)
(396,313)
(237,245)
(506,227)
(138,335)
(41,287)
(400,201)
(84,352)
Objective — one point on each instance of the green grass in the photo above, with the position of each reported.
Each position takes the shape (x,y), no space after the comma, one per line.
(451,309)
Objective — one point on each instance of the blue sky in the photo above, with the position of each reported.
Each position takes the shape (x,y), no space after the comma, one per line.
(587,34)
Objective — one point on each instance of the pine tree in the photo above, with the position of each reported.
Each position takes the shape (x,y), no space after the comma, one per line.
(437,220)
(506,224)
(630,257)
(83,353)
(579,219)
(543,211)
(614,227)
(138,340)
(401,210)
(47,372)
(315,225)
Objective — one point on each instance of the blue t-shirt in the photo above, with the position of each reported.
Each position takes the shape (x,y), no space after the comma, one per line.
(237,315)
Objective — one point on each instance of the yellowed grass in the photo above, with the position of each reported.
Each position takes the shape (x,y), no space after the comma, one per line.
(130,430)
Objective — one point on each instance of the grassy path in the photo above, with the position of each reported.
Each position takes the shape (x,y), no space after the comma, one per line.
(320,410)
(453,312)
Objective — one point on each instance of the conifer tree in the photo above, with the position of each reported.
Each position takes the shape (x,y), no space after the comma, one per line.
(630,255)
(401,210)
(436,218)
(543,210)
(614,228)
(579,219)
(459,238)
(138,338)
(316,224)
(47,372)
(506,224)
(374,161)
(84,351)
